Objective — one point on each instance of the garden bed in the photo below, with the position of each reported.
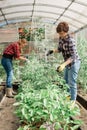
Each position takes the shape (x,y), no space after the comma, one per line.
(11,122)
(2,88)
(7,113)
(82,101)
(8,117)
(82,116)
(2,92)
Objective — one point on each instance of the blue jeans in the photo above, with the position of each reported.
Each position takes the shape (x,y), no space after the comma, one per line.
(70,75)
(7,64)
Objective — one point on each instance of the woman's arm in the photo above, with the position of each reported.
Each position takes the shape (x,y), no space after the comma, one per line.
(68,61)
(22,58)
(55,51)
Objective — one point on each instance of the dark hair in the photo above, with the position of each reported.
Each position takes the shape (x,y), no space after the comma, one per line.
(62,26)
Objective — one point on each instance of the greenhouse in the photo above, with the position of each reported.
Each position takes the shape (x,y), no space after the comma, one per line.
(43,64)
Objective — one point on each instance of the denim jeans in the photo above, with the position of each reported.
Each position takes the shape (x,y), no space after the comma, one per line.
(7,64)
(70,75)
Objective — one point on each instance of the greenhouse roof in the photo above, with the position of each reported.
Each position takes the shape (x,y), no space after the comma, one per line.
(51,11)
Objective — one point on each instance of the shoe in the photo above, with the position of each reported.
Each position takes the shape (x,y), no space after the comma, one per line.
(13,92)
(9,93)
(72,104)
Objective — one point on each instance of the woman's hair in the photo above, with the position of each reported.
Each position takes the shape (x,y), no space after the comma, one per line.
(62,26)
(22,41)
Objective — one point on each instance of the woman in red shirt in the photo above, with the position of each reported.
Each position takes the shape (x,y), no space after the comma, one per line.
(12,51)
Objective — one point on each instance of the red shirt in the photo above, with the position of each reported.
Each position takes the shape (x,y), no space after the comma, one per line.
(13,49)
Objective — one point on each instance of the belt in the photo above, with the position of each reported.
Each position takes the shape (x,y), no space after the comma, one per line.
(7,56)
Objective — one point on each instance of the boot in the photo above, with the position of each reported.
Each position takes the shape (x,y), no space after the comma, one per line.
(13,92)
(72,104)
(9,93)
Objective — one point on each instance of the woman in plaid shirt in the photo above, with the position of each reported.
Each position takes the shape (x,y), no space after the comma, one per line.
(12,51)
(71,58)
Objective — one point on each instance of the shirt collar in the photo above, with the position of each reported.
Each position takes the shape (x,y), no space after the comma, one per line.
(66,37)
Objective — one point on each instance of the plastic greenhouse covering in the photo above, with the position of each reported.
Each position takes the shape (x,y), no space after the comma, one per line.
(49,11)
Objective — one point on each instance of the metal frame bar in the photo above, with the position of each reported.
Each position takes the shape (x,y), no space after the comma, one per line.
(48,5)
(81,3)
(85,26)
(36,16)
(64,11)
(45,12)
(45,5)
(4,16)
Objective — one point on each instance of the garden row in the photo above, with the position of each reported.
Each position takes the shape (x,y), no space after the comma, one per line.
(42,104)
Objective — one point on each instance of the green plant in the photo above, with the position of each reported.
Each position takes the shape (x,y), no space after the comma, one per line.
(40,100)
(82,49)
(34,34)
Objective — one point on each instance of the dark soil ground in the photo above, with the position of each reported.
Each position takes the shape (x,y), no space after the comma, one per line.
(9,121)
(83,93)
(83,117)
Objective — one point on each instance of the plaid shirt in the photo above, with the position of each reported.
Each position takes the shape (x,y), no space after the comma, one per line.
(13,50)
(68,48)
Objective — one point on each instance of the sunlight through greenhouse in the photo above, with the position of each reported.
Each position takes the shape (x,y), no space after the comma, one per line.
(43,64)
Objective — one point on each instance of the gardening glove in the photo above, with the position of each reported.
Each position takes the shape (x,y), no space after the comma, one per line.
(49,52)
(27,61)
(61,67)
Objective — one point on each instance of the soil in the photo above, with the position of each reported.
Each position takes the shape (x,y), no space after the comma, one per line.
(83,93)
(82,116)
(8,120)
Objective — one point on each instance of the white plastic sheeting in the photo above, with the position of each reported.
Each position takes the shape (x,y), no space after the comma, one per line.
(72,11)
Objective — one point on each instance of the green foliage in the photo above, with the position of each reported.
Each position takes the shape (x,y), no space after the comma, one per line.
(40,100)
(82,49)
(34,34)
(23,128)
